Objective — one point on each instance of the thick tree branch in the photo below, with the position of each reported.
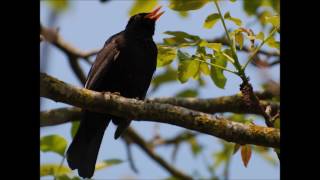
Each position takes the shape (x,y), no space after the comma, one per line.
(233,104)
(59,116)
(149,111)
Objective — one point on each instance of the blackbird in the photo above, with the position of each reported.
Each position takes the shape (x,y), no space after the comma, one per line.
(124,65)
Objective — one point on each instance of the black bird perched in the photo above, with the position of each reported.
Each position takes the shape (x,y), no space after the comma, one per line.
(124,65)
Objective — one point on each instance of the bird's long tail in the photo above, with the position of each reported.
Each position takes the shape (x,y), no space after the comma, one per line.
(83,151)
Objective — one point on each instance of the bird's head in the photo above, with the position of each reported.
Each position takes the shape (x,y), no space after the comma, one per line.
(143,24)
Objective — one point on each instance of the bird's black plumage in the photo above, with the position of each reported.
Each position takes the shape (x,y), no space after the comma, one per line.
(125,65)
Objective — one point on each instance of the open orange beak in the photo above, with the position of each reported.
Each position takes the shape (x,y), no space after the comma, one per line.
(154,15)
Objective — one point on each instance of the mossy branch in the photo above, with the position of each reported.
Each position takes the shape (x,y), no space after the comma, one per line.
(138,110)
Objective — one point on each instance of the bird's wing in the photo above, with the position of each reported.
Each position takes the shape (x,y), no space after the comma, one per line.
(103,62)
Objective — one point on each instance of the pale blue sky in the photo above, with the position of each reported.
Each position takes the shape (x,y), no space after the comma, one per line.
(87,24)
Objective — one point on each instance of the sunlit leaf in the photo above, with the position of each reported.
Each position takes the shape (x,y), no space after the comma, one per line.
(260,36)
(74,128)
(271,42)
(237,21)
(187,67)
(211,20)
(232,0)
(166,55)
(53,169)
(215,46)
(187,93)
(140,6)
(53,143)
(263,15)
(274,20)
(183,5)
(245,154)
(239,39)
(59,6)
(107,163)
(204,68)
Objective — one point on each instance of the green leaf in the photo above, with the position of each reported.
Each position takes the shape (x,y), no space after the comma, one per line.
(274,20)
(237,21)
(187,93)
(216,73)
(211,20)
(262,17)
(187,67)
(223,155)
(195,147)
(245,154)
(215,46)
(166,55)
(239,39)
(204,68)
(239,118)
(181,39)
(265,154)
(53,169)
(176,41)
(53,143)
(251,6)
(169,75)
(183,14)
(233,1)
(74,128)
(59,6)
(236,148)
(271,42)
(276,5)
(107,163)
(183,5)
(183,35)
(141,6)
(171,178)
(260,36)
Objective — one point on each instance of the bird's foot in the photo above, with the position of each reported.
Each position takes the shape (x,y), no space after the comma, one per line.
(112,93)
(116,93)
